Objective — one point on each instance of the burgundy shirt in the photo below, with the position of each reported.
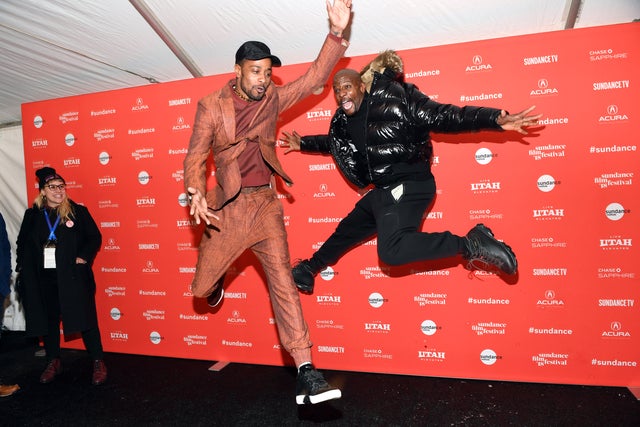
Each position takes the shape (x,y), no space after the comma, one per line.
(253,169)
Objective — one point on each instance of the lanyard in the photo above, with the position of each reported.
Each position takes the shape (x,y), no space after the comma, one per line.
(52,229)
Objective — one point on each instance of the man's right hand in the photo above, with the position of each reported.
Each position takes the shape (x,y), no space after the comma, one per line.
(199,209)
(339,15)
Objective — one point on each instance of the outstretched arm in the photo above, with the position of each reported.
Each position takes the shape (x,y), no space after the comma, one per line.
(339,15)
(518,121)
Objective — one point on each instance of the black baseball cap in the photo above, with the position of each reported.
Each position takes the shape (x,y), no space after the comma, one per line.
(253,51)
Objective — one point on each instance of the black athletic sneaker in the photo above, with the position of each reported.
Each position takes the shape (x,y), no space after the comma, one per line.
(311,387)
(215,298)
(303,275)
(483,251)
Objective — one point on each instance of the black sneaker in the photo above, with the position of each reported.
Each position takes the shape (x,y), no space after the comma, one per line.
(483,251)
(311,387)
(303,276)
(215,298)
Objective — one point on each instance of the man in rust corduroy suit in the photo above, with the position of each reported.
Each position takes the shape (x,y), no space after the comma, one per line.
(238,124)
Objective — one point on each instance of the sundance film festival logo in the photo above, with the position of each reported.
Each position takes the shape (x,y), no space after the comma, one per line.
(543,89)
(548,151)
(143,153)
(550,300)
(178,175)
(615,211)
(154,314)
(484,156)
(613,115)
(103,134)
(116,291)
(550,359)
(546,183)
(71,116)
(195,340)
(614,179)
(478,64)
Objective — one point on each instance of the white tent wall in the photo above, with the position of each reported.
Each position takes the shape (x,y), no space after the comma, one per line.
(13,202)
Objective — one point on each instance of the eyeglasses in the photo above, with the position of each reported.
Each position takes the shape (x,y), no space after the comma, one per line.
(59,187)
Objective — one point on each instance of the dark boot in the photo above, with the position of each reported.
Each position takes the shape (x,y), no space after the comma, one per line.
(303,275)
(484,252)
(54,367)
(99,372)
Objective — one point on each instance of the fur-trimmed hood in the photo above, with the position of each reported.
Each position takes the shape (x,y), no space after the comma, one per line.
(387,60)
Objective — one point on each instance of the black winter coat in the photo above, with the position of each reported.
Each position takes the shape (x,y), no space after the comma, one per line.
(399,121)
(76,284)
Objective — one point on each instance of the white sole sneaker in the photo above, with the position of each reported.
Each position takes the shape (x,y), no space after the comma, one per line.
(303,399)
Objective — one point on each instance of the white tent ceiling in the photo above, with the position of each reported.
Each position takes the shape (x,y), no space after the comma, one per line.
(57,48)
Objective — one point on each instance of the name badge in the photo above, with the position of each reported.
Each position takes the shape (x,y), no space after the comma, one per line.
(50,256)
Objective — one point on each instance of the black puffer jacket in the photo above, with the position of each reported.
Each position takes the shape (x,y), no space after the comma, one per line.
(399,121)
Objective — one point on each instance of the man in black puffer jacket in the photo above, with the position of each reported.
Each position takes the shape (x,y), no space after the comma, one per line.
(382,139)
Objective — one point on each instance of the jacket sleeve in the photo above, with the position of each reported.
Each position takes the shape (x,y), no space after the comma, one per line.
(21,241)
(316,76)
(5,262)
(90,242)
(315,144)
(195,162)
(449,118)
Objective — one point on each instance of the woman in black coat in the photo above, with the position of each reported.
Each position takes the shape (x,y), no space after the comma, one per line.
(57,243)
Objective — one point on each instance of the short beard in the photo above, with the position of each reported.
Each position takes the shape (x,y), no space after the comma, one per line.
(250,96)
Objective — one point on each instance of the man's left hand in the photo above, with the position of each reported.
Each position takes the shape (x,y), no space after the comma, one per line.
(518,121)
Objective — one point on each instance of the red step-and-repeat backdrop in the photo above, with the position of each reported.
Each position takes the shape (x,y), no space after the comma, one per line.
(564,197)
